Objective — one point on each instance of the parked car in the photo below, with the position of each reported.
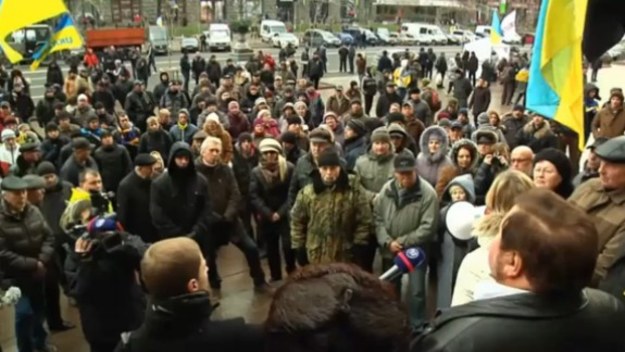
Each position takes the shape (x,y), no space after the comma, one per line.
(407,39)
(345,38)
(356,32)
(190,44)
(394,38)
(218,37)
(384,36)
(465,36)
(317,37)
(282,40)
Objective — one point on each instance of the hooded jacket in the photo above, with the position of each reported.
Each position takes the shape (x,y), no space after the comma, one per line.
(179,200)
(450,172)
(408,144)
(159,141)
(428,165)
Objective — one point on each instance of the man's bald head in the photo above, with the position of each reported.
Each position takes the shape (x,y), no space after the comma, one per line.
(521,159)
(174,267)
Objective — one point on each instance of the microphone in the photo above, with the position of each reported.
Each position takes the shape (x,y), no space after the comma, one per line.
(405,262)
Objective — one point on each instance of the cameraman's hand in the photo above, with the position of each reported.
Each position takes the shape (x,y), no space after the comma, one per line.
(82,246)
(488,159)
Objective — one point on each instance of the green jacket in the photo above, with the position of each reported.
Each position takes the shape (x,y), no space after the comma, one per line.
(412,221)
(328,222)
(374,171)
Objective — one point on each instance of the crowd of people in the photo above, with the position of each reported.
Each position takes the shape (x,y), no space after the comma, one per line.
(253,156)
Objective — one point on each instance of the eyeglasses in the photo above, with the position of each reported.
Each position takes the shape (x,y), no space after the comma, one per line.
(513,160)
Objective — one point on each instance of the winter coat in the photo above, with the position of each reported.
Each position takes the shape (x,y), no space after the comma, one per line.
(82,115)
(183,323)
(242,168)
(139,107)
(302,175)
(411,220)
(608,123)
(223,189)
(239,123)
(607,209)
(185,134)
(344,209)
(462,90)
(45,111)
(180,203)
(133,207)
(513,127)
(268,198)
(353,149)
(338,105)
(374,171)
(480,100)
(104,96)
(384,103)
(114,163)
(537,138)
(71,169)
(159,141)
(174,102)
(53,206)
(429,166)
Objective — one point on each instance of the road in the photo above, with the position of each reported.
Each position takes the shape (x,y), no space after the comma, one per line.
(38,78)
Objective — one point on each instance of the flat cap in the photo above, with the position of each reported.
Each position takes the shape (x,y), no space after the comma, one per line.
(144,159)
(404,163)
(14,183)
(34,181)
(613,150)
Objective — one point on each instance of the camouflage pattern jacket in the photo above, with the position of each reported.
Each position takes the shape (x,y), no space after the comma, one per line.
(329,221)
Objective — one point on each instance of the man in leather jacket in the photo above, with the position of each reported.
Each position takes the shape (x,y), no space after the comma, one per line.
(175,276)
(541,261)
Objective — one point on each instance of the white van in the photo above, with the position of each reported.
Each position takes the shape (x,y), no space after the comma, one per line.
(219,37)
(269,29)
(425,34)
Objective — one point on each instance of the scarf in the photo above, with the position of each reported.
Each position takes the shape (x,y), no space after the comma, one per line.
(274,172)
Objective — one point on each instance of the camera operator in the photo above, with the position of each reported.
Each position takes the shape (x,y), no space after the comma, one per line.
(90,188)
(175,275)
(25,252)
(102,275)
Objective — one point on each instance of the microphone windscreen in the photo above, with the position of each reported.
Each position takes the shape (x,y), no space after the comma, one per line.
(409,259)
(102,224)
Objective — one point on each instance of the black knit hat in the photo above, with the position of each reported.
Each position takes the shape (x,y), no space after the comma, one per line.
(395,117)
(245,137)
(357,126)
(289,137)
(45,168)
(329,157)
(562,164)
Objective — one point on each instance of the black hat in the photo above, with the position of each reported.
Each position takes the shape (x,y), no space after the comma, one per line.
(81,143)
(597,142)
(245,137)
(46,168)
(456,125)
(519,107)
(414,90)
(329,157)
(613,150)
(200,135)
(404,163)
(486,137)
(34,181)
(288,137)
(211,101)
(52,126)
(356,101)
(562,164)
(357,126)
(144,159)
(14,183)
(444,123)
(320,135)
(395,117)
(293,120)
(106,133)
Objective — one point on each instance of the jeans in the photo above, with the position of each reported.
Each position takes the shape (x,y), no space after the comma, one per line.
(342,64)
(368,103)
(29,319)
(415,298)
(275,234)
(245,244)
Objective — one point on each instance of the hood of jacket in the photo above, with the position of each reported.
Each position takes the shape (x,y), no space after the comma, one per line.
(397,128)
(178,313)
(438,132)
(180,149)
(590,87)
(466,182)
(468,144)
(487,130)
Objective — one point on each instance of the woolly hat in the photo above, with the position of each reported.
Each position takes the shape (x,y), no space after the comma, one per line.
(380,134)
(562,164)
(213,117)
(245,137)
(395,117)
(329,157)
(357,126)
(289,137)
(270,145)
(482,119)
(45,168)
(7,133)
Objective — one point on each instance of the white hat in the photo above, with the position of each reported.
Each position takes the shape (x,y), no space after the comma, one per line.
(270,144)
(213,117)
(7,133)
(82,97)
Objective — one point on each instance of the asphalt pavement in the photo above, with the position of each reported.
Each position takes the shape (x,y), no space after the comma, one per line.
(37,78)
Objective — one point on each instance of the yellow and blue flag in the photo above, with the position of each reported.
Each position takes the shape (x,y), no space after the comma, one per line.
(65,36)
(17,14)
(496,34)
(555,88)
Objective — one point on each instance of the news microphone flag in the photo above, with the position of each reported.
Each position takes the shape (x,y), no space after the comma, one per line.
(65,36)
(405,262)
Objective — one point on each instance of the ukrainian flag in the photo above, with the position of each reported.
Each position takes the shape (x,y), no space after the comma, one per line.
(17,14)
(496,33)
(555,87)
(65,36)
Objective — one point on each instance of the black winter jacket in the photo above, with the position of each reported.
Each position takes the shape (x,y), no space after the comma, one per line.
(133,207)
(114,164)
(270,198)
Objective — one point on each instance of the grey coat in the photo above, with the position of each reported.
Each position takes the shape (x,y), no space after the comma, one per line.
(429,166)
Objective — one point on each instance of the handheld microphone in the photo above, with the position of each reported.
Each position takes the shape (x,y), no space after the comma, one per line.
(405,262)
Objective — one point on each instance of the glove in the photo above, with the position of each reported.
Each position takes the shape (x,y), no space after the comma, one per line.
(301,256)
(11,296)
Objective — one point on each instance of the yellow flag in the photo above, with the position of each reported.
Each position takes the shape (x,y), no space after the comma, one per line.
(17,14)
(65,36)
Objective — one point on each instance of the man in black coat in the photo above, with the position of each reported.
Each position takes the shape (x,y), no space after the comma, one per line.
(535,305)
(25,253)
(179,201)
(139,106)
(133,200)
(113,161)
(227,226)
(79,161)
(385,100)
(175,275)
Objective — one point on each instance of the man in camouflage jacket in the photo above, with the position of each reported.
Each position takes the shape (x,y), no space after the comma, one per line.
(331,216)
